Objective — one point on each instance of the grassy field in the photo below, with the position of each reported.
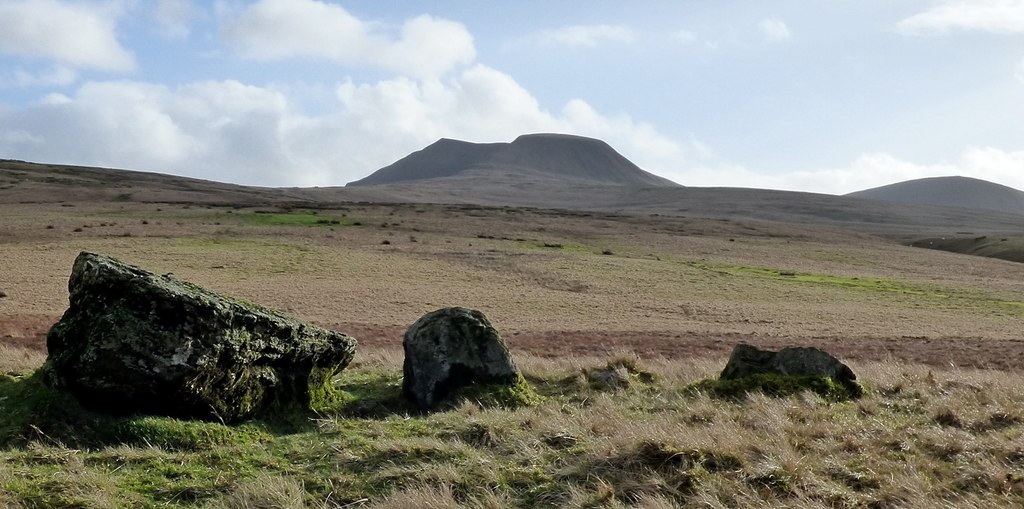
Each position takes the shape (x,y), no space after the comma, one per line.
(933,336)
(921,437)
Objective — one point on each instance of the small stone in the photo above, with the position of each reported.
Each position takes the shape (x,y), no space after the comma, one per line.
(747,360)
(608,378)
(134,342)
(453,348)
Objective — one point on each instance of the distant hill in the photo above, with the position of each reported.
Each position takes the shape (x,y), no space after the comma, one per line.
(556,157)
(25,182)
(962,192)
(1006,248)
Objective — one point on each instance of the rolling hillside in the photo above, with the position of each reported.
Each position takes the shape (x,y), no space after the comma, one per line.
(962,192)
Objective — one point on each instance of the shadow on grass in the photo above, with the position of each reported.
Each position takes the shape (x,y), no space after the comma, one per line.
(32,411)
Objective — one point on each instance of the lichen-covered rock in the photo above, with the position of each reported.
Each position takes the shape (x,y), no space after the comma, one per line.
(453,348)
(134,342)
(747,360)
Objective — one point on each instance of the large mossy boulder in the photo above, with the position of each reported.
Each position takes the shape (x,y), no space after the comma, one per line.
(452,349)
(782,373)
(134,342)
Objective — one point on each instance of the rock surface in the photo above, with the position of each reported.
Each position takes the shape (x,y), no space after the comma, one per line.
(134,342)
(747,360)
(452,348)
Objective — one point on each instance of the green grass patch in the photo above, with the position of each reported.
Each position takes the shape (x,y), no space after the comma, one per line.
(954,298)
(854,283)
(183,435)
(32,410)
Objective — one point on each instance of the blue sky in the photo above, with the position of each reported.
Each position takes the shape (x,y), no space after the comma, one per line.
(825,96)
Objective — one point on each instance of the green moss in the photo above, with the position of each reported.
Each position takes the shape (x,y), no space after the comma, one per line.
(778,386)
(322,396)
(517,394)
(376,393)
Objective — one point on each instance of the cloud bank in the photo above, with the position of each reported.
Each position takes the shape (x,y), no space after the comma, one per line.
(996,16)
(281,29)
(78,35)
(227,130)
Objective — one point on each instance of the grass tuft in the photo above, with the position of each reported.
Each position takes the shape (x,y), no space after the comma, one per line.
(779,386)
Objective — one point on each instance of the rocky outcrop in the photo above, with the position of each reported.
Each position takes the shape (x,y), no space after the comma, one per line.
(747,360)
(453,348)
(134,342)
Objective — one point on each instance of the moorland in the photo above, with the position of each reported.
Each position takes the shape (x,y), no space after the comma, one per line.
(933,336)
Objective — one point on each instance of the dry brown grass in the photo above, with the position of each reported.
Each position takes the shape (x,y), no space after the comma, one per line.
(674,287)
(15,360)
(658,447)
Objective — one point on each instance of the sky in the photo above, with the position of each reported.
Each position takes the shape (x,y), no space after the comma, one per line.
(828,96)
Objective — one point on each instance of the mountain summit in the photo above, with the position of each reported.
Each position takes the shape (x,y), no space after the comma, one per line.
(531,156)
(963,192)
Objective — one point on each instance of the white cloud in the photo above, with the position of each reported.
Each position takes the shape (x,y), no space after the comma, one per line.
(684,36)
(1019,71)
(174,17)
(774,30)
(279,29)
(482,104)
(229,131)
(585,36)
(57,76)
(867,171)
(997,16)
(220,130)
(78,34)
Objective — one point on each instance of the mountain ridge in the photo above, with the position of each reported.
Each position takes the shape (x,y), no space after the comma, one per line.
(539,155)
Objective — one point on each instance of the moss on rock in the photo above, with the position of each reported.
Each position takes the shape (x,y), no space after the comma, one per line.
(454,348)
(134,342)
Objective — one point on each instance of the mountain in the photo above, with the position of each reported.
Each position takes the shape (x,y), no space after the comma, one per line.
(551,157)
(962,192)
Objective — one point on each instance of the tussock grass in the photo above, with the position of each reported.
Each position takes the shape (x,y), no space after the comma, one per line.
(922,437)
(19,361)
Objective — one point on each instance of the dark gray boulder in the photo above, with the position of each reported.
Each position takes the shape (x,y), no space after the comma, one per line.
(453,348)
(747,360)
(134,342)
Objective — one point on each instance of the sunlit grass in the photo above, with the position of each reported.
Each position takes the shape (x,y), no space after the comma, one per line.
(920,437)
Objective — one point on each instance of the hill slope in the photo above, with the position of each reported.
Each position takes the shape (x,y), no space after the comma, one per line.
(950,192)
(531,156)
(22,182)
